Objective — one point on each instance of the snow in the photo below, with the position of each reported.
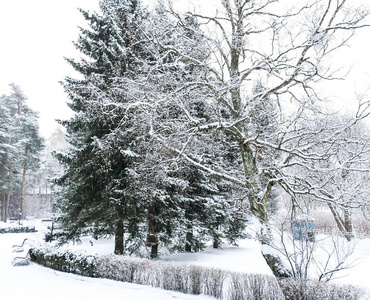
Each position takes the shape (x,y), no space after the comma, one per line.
(37,282)
(245,258)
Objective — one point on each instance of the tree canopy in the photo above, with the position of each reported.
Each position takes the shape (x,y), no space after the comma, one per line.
(187,125)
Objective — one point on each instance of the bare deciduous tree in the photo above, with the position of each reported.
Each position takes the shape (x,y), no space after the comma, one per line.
(260,79)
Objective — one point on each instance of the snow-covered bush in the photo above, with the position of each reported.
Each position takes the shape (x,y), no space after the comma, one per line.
(65,261)
(294,289)
(189,279)
(170,276)
(17,229)
(183,278)
(253,286)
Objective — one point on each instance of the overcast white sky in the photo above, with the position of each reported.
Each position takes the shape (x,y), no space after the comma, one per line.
(35,35)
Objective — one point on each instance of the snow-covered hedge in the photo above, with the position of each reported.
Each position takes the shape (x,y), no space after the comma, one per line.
(166,275)
(315,290)
(190,279)
(65,261)
(17,229)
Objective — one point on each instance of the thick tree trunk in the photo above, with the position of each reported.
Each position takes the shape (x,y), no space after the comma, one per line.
(119,241)
(152,242)
(257,206)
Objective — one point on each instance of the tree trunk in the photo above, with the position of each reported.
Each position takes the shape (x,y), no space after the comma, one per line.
(119,241)
(348,223)
(2,207)
(7,201)
(216,243)
(345,226)
(7,198)
(23,192)
(152,236)
(189,238)
(258,206)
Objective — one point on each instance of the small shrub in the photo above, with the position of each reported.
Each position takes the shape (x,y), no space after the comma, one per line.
(254,287)
(294,289)
(65,262)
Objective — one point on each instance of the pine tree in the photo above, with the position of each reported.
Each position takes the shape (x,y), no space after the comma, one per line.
(21,143)
(4,153)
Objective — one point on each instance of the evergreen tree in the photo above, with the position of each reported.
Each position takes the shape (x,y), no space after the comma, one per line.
(117,176)
(21,146)
(98,177)
(4,153)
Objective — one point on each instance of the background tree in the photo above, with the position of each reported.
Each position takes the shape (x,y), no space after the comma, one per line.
(4,154)
(22,145)
(347,174)
(50,168)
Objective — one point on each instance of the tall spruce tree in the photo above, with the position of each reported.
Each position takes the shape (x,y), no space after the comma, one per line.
(97,167)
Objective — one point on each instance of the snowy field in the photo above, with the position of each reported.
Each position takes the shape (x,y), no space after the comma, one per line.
(36,282)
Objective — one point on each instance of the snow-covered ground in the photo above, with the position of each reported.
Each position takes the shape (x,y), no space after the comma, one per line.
(36,282)
(39,283)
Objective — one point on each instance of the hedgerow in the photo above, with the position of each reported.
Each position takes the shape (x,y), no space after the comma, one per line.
(178,277)
(191,279)
(25,229)
(294,289)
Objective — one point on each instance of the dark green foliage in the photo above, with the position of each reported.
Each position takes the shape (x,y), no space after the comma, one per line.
(66,262)
(117,177)
(97,176)
(25,229)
